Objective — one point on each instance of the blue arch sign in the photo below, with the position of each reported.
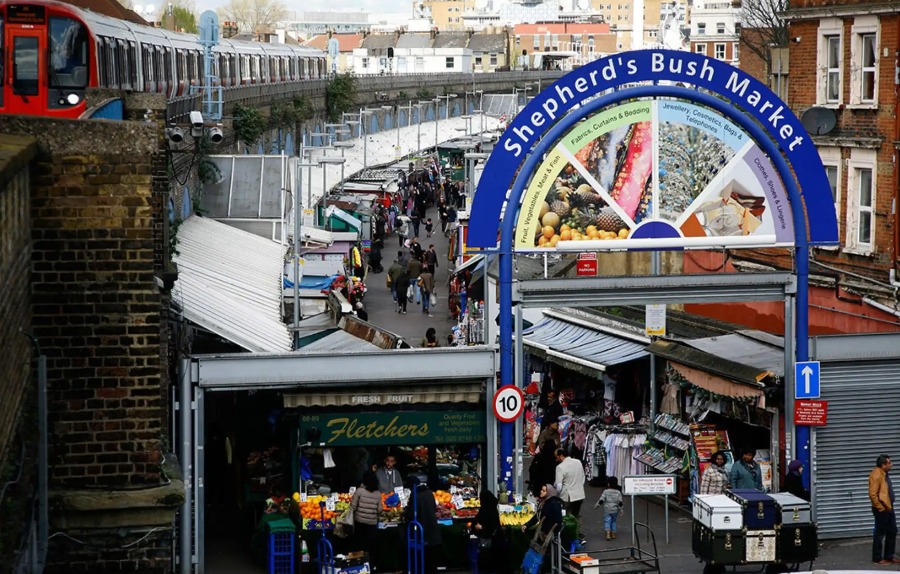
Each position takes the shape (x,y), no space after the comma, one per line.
(617,71)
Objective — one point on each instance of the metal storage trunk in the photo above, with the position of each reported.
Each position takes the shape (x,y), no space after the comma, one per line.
(717,511)
(718,546)
(758,508)
(792,509)
(797,543)
(760,545)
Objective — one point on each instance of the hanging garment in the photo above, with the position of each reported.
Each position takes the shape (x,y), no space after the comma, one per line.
(670,403)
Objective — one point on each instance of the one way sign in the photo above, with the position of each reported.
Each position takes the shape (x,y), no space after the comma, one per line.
(806,380)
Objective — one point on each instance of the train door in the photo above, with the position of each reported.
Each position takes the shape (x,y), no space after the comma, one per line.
(24,93)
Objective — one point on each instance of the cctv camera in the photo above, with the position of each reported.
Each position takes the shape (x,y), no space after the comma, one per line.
(196,120)
(215,135)
(175,134)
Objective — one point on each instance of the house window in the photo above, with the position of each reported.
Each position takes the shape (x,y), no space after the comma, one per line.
(450,62)
(720,28)
(829,62)
(719,51)
(700,49)
(737,28)
(493,60)
(735,52)
(365,63)
(861,202)
(701,28)
(832,172)
(833,69)
(478,60)
(864,61)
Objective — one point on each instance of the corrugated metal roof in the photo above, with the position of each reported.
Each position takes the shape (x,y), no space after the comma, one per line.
(488,43)
(451,40)
(580,345)
(340,340)
(230,282)
(414,41)
(744,350)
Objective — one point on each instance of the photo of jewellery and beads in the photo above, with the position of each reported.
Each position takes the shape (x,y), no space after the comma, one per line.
(620,163)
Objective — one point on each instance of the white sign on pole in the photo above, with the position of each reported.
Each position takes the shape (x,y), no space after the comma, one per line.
(509,402)
(649,484)
(655,321)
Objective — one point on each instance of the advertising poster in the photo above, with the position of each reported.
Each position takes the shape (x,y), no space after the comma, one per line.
(655,170)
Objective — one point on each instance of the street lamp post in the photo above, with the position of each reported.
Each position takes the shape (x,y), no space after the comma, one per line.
(343,146)
(364,133)
(323,163)
(419,107)
(437,115)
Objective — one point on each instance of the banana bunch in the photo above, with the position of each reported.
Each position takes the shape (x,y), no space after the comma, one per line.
(517,517)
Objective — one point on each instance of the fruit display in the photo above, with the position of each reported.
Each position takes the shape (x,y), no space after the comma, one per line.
(516,515)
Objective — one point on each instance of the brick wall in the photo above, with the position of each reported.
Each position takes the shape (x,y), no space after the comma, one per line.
(97,207)
(17,464)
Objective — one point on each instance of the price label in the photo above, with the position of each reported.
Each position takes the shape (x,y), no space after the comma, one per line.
(401,492)
(329,504)
(453,490)
(352,490)
(457,501)
(302,497)
(517,498)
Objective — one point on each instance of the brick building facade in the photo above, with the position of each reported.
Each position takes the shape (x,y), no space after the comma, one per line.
(843,61)
(98,196)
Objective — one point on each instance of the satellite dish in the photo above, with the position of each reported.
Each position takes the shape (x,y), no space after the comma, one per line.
(818,121)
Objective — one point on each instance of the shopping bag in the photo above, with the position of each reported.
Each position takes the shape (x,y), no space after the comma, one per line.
(344,525)
(410,293)
(387,278)
(433,300)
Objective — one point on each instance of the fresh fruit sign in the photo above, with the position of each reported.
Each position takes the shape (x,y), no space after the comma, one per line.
(654,170)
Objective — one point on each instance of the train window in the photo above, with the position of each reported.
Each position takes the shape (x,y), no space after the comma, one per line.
(109,46)
(147,66)
(180,66)
(157,68)
(68,53)
(101,63)
(25,65)
(132,65)
(167,67)
(122,62)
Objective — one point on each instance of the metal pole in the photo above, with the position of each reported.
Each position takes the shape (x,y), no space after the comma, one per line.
(398,131)
(667,517)
(43,460)
(633,537)
(654,270)
(186,454)
(365,147)
(326,221)
(298,213)
(801,315)
(419,131)
(789,430)
(437,122)
(519,480)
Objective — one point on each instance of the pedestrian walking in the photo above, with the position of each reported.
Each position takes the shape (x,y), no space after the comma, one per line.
(570,477)
(413,270)
(492,547)
(429,227)
(431,259)
(402,229)
(366,506)
(403,287)
(426,286)
(746,473)
(416,221)
(715,478)
(393,278)
(612,506)
(881,493)
(442,214)
(793,480)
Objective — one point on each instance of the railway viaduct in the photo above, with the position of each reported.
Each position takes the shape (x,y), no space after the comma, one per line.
(84,266)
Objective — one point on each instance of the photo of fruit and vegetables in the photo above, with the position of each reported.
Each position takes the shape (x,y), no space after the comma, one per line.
(700,185)
(620,164)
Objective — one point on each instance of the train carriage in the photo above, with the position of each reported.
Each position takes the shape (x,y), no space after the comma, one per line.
(53,52)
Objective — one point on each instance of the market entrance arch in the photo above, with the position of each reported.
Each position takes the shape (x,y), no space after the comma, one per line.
(759,203)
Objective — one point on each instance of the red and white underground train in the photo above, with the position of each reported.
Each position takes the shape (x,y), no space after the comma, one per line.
(52,52)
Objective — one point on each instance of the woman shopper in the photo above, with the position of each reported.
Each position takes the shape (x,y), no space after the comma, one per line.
(491,542)
(715,477)
(793,481)
(366,507)
(549,517)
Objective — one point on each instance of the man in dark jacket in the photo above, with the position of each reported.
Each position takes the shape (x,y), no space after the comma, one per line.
(426,515)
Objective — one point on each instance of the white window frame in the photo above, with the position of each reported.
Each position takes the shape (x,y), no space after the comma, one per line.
(449,62)
(700,48)
(829,27)
(863,26)
(831,159)
(716,50)
(365,63)
(860,160)
(701,28)
(720,28)
(493,60)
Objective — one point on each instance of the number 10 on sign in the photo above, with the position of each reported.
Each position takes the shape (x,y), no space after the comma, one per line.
(509,401)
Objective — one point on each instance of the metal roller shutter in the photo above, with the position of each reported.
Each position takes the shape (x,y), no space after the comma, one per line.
(862,400)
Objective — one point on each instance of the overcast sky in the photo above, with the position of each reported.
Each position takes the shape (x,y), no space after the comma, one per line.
(377,9)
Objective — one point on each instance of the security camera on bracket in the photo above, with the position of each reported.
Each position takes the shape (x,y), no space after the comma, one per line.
(196,124)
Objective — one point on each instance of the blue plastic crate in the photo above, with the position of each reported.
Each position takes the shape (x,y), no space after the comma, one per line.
(281,552)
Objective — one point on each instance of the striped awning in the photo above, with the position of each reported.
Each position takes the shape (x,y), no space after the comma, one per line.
(584,349)
(441,393)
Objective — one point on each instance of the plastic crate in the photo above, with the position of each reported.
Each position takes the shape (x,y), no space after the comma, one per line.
(281,547)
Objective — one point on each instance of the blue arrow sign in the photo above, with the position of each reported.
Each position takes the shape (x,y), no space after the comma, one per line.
(806,380)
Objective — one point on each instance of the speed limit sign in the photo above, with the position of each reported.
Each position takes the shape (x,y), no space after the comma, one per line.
(509,402)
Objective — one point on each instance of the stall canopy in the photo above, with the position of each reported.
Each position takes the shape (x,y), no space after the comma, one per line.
(422,394)
(580,348)
(737,357)
(229,282)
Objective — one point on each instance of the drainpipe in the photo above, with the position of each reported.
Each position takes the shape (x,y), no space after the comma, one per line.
(885,308)
(43,460)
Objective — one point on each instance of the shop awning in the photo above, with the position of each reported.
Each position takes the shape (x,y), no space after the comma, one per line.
(729,368)
(421,394)
(716,384)
(579,348)
(474,264)
(339,213)
(229,282)
(340,340)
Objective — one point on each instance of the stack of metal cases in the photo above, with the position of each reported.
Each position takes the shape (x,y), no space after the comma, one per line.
(718,536)
(760,516)
(797,537)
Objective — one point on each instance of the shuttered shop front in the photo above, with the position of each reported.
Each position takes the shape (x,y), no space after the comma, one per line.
(863,398)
